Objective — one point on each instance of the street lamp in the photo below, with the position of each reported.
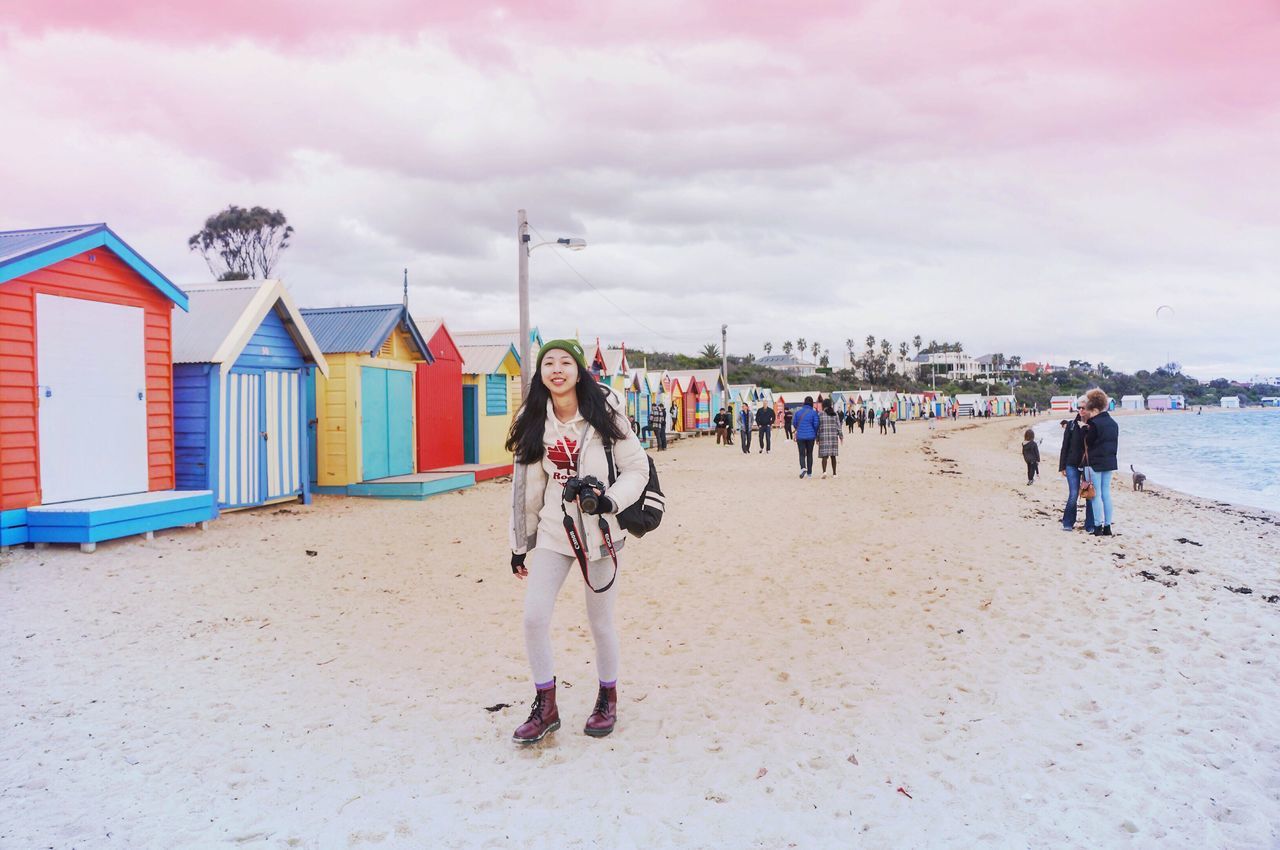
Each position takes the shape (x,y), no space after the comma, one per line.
(524,249)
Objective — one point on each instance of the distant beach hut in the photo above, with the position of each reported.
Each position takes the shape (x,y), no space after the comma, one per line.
(438,400)
(639,399)
(1004,405)
(1060,403)
(505,337)
(86,391)
(1230,402)
(242,357)
(1133,402)
(1178,401)
(364,409)
(1270,401)
(675,405)
(711,389)
(490,393)
(969,404)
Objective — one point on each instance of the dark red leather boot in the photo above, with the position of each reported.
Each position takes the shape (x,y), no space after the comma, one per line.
(605,716)
(543,718)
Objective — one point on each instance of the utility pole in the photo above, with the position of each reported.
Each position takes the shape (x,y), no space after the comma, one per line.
(406,289)
(724,358)
(522,249)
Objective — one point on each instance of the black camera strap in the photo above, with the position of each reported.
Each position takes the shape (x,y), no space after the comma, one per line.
(580,551)
(576,542)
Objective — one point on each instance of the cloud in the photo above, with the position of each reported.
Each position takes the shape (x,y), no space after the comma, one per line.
(1025,177)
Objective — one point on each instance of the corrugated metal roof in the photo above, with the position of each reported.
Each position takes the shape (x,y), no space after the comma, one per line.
(498,337)
(485,359)
(215,310)
(18,243)
(339,330)
(225,316)
(24,251)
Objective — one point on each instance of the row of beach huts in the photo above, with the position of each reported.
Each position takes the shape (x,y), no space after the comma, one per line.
(120,415)
(1070,403)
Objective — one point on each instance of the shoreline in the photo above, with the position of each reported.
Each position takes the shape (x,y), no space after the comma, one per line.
(1237,501)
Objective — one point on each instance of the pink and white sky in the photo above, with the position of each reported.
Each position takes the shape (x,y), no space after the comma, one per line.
(1033,178)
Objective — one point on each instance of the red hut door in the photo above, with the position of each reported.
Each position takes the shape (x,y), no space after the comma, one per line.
(439,414)
(91,376)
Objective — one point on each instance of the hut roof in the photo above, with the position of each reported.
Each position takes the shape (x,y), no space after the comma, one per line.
(486,359)
(498,337)
(224,316)
(24,251)
(434,325)
(348,329)
(710,377)
(615,360)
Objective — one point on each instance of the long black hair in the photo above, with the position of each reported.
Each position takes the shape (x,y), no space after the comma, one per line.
(524,439)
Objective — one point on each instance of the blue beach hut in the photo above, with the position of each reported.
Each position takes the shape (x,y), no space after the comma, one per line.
(242,358)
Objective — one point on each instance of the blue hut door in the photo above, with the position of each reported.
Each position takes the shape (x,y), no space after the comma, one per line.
(470,423)
(387,422)
(373,422)
(400,422)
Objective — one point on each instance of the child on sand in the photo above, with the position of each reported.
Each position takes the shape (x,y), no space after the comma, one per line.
(1031,454)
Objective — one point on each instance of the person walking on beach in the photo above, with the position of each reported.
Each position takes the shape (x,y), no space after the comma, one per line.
(884,422)
(658,424)
(1031,454)
(564,509)
(787,417)
(765,417)
(744,427)
(830,436)
(1070,461)
(1101,444)
(862,421)
(722,425)
(805,423)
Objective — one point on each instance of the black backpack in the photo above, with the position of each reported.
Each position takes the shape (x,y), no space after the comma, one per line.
(646,514)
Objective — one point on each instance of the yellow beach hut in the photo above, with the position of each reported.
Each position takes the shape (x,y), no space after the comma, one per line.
(364,409)
(490,398)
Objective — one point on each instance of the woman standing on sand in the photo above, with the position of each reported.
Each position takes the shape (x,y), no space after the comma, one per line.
(1101,441)
(559,436)
(830,436)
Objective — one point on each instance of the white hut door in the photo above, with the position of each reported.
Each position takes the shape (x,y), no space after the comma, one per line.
(283,405)
(92,378)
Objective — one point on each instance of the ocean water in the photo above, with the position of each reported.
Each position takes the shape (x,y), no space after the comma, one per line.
(1231,457)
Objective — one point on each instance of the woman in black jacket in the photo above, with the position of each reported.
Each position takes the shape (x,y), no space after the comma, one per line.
(1101,440)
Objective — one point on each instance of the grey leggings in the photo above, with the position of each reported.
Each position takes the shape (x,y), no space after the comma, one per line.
(547,572)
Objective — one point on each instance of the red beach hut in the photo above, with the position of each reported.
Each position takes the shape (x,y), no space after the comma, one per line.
(86,391)
(439,400)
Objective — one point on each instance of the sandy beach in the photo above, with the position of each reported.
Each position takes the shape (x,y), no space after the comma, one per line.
(910,655)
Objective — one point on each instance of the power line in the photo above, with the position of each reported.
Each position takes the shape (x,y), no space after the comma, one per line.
(618,307)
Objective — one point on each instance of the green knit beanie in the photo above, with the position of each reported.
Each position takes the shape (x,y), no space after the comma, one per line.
(570,345)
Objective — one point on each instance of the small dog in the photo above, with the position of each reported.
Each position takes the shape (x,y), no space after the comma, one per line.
(1138,479)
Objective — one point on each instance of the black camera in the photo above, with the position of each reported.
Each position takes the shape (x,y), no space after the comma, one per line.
(588,490)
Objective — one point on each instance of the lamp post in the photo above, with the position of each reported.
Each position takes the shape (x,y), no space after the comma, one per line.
(524,249)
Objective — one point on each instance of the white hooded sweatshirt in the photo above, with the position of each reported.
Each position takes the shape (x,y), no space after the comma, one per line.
(574,448)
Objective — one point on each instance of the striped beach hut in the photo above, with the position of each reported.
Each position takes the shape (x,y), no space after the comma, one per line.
(639,399)
(364,408)
(970,404)
(505,337)
(490,398)
(1061,403)
(242,357)
(86,391)
(438,399)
